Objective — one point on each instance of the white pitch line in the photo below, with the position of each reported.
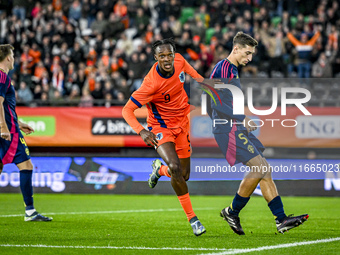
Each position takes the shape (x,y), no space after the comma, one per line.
(109,212)
(224,251)
(110,247)
(279,246)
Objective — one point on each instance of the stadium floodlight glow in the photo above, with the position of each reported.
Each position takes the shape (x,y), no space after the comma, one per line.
(238,100)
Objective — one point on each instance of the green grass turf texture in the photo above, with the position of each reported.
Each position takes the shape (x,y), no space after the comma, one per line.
(161,228)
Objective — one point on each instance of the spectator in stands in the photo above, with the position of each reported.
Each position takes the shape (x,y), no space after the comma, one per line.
(56,99)
(77,54)
(141,21)
(175,26)
(48,12)
(75,10)
(304,48)
(203,15)
(276,50)
(26,76)
(300,23)
(36,9)
(69,36)
(91,9)
(25,95)
(37,92)
(99,25)
(114,27)
(322,68)
(106,6)
(199,29)
(86,99)
(183,44)
(26,57)
(125,44)
(97,92)
(58,79)
(44,100)
(120,9)
(166,31)
(108,89)
(124,88)
(38,71)
(121,98)
(108,100)
(35,53)
(19,9)
(45,30)
(80,80)
(161,9)
(74,94)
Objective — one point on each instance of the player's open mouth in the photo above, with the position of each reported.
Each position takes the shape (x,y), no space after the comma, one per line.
(167,66)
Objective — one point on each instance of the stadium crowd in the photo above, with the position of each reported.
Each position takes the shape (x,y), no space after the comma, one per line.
(96,52)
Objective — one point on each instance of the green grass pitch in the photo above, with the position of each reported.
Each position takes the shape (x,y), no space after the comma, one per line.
(155,224)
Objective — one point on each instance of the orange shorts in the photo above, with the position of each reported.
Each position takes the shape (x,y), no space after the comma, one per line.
(179,136)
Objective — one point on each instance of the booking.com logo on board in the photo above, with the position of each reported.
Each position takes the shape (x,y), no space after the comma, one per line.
(238,104)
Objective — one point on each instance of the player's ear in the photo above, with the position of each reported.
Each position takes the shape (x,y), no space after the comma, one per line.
(155,57)
(235,49)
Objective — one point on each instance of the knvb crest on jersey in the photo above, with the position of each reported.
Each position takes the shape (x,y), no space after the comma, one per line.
(181,77)
(159,136)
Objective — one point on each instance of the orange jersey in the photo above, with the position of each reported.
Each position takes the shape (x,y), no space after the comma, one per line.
(165,97)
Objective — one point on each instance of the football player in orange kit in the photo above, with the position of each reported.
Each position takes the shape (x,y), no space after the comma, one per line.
(163,93)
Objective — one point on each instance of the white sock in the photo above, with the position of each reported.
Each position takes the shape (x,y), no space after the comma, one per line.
(30,212)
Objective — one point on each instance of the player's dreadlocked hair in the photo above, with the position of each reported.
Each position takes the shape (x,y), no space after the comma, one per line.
(162,42)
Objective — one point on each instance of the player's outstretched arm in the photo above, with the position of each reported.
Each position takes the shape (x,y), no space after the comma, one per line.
(191,71)
(27,129)
(5,134)
(128,113)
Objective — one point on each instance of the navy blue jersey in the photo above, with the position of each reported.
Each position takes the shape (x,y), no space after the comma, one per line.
(7,91)
(16,150)
(228,74)
(236,144)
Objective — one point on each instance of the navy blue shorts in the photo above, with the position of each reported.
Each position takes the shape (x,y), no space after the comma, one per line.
(14,151)
(239,146)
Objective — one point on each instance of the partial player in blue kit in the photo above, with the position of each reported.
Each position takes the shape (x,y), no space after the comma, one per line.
(239,145)
(13,147)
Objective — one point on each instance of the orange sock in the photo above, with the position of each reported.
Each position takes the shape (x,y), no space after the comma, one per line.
(163,171)
(187,207)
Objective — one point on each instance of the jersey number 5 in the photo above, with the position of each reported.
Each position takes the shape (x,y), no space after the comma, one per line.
(167,98)
(242,137)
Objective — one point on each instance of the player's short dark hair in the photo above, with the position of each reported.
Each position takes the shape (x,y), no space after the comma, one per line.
(169,41)
(244,39)
(5,50)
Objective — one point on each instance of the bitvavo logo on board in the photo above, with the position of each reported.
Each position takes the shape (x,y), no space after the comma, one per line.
(238,104)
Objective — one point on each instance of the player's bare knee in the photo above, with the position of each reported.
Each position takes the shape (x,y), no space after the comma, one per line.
(1,167)
(175,169)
